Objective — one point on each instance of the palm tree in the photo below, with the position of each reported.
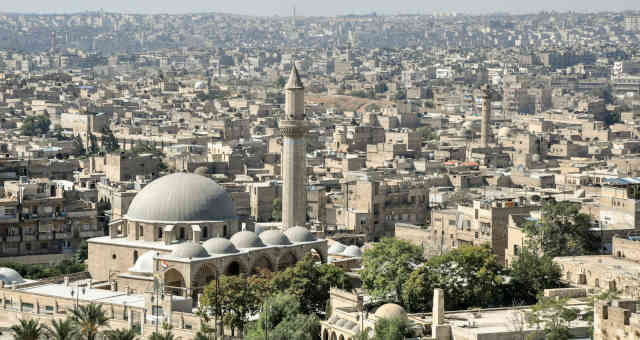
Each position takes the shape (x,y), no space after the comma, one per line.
(121,334)
(28,330)
(61,330)
(88,319)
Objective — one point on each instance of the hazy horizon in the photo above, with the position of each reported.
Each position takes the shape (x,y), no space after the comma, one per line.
(325,8)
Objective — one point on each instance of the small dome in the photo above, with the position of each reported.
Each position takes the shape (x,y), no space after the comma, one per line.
(219,245)
(10,276)
(337,248)
(274,238)
(144,263)
(246,239)
(189,250)
(390,311)
(299,234)
(504,131)
(352,251)
(341,323)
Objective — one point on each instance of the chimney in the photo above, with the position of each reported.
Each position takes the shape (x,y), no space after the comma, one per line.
(195,228)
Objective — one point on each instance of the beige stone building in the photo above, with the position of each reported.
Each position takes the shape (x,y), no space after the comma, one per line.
(183,227)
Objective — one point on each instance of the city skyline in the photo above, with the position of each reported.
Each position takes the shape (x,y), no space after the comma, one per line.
(327,8)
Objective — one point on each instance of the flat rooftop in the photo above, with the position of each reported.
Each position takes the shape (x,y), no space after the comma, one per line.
(88,294)
(603,262)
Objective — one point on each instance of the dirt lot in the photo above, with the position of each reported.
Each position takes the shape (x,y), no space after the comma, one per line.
(345,103)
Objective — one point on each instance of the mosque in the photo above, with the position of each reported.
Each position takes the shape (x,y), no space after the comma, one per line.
(183,229)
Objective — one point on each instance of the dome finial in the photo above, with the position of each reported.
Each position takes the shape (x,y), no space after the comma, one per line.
(294,78)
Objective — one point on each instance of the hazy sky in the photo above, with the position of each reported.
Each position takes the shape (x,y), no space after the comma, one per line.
(315,7)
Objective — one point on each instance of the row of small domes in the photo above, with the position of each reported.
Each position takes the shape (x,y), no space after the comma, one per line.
(338,248)
(243,240)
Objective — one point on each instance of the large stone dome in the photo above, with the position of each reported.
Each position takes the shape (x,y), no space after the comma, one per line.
(181,197)
(219,245)
(391,311)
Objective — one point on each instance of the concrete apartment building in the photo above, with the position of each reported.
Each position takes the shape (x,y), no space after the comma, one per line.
(39,225)
(373,207)
(482,222)
(122,167)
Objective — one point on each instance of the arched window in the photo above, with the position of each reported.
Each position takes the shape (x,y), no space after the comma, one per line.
(182,233)
(205,232)
(135,256)
(224,231)
(160,233)
(141,230)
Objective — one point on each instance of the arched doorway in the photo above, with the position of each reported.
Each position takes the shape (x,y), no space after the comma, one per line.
(205,274)
(325,334)
(261,263)
(174,282)
(333,336)
(287,260)
(234,268)
(341,337)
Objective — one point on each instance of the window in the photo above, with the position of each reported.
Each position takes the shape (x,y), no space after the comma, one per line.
(452,223)
(160,233)
(205,232)
(224,231)
(476,234)
(182,233)
(516,250)
(113,256)
(141,231)
(135,256)
(157,311)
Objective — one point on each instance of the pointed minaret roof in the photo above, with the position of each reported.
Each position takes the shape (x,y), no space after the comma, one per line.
(294,79)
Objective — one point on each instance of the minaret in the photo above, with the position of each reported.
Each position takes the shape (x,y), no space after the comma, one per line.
(293,128)
(486,116)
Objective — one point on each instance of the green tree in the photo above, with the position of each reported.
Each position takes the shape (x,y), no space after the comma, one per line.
(88,319)
(282,318)
(392,329)
(562,231)
(310,283)
(470,277)
(552,318)
(386,267)
(28,330)
(62,329)
(82,253)
(276,213)
(427,133)
(531,274)
(109,140)
(235,299)
(120,334)
(36,125)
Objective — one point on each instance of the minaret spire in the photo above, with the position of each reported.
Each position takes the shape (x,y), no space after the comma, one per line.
(293,128)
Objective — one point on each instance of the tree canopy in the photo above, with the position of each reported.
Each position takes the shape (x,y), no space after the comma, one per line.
(36,125)
(531,274)
(310,283)
(282,318)
(392,329)
(470,277)
(387,265)
(562,231)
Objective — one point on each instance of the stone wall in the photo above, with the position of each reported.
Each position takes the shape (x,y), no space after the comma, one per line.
(625,248)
